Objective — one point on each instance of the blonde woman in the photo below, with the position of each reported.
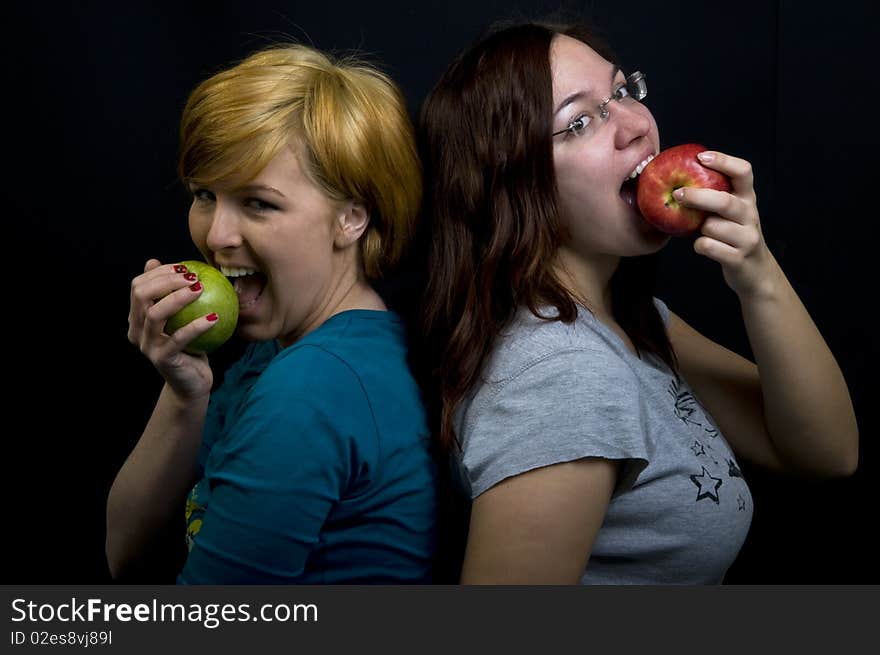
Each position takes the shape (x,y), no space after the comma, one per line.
(310,463)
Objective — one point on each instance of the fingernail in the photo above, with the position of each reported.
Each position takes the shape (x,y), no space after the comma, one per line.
(212,317)
(678,193)
(190,276)
(706,156)
(196,287)
(180,268)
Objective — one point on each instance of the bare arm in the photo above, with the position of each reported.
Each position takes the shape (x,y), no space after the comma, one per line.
(790,412)
(538,527)
(795,389)
(150,489)
(151,486)
(729,387)
(807,405)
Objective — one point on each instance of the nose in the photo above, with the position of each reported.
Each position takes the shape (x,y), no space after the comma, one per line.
(224,231)
(631,120)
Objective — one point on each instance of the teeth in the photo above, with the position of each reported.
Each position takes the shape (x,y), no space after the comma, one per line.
(236,272)
(640,167)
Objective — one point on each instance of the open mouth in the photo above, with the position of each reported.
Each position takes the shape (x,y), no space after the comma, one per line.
(248,284)
(629,191)
(629,188)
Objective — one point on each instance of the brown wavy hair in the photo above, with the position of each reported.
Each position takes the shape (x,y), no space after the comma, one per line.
(491,219)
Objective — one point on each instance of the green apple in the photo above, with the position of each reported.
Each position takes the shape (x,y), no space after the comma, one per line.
(217,296)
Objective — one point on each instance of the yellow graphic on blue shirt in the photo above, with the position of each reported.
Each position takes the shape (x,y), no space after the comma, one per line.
(195,511)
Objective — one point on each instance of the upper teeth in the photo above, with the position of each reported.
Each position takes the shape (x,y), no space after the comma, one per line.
(236,272)
(641,167)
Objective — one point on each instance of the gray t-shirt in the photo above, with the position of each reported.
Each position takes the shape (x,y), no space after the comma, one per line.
(556,393)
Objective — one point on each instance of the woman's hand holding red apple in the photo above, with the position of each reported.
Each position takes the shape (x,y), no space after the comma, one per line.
(731,234)
(156,295)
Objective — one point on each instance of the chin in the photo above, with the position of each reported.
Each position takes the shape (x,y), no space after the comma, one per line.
(649,245)
(654,239)
(648,239)
(254,332)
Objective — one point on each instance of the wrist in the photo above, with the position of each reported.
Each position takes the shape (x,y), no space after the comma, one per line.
(769,287)
(181,403)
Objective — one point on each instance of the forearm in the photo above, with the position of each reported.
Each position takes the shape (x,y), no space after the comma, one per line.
(808,411)
(150,488)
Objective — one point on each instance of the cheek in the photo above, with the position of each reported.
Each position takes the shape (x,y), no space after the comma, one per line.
(197,227)
(654,133)
(578,182)
(198,231)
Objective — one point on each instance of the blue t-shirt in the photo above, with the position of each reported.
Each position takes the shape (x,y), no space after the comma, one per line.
(315,464)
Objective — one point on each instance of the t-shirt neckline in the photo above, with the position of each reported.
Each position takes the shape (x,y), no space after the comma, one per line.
(607,331)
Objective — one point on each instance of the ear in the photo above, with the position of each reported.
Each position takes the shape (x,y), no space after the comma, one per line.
(352,222)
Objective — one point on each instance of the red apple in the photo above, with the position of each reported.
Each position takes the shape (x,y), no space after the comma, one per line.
(672,169)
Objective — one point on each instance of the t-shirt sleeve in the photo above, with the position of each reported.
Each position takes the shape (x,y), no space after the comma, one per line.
(286,461)
(566,406)
(663,309)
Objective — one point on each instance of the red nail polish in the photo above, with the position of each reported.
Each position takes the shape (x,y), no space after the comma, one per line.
(196,287)
(212,317)
(180,268)
(190,276)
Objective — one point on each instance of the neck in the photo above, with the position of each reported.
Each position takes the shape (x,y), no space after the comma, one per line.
(349,291)
(588,279)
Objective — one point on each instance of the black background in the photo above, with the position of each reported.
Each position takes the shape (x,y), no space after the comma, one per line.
(92,97)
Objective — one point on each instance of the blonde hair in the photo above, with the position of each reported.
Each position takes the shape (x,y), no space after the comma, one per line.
(351,119)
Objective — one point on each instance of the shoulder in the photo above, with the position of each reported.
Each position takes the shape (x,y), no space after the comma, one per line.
(571,384)
(552,352)
(308,372)
(357,338)
(557,393)
(294,410)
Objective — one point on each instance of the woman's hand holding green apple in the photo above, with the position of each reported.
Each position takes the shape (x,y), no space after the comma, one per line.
(157,295)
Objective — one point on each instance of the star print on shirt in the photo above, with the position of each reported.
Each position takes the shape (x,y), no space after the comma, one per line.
(698,449)
(733,469)
(742,503)
(685,403)
(707,485)
(712,431)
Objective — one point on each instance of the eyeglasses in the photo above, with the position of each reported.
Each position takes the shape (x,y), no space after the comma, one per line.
(635,87)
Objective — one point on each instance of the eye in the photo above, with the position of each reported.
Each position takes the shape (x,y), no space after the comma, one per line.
(202,195)
(578,125)
(259,205)
(621,92)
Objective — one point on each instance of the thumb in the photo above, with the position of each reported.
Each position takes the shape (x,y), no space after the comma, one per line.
(151,264)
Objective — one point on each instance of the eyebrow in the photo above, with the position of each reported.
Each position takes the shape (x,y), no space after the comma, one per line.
(261,187)
(580,95)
